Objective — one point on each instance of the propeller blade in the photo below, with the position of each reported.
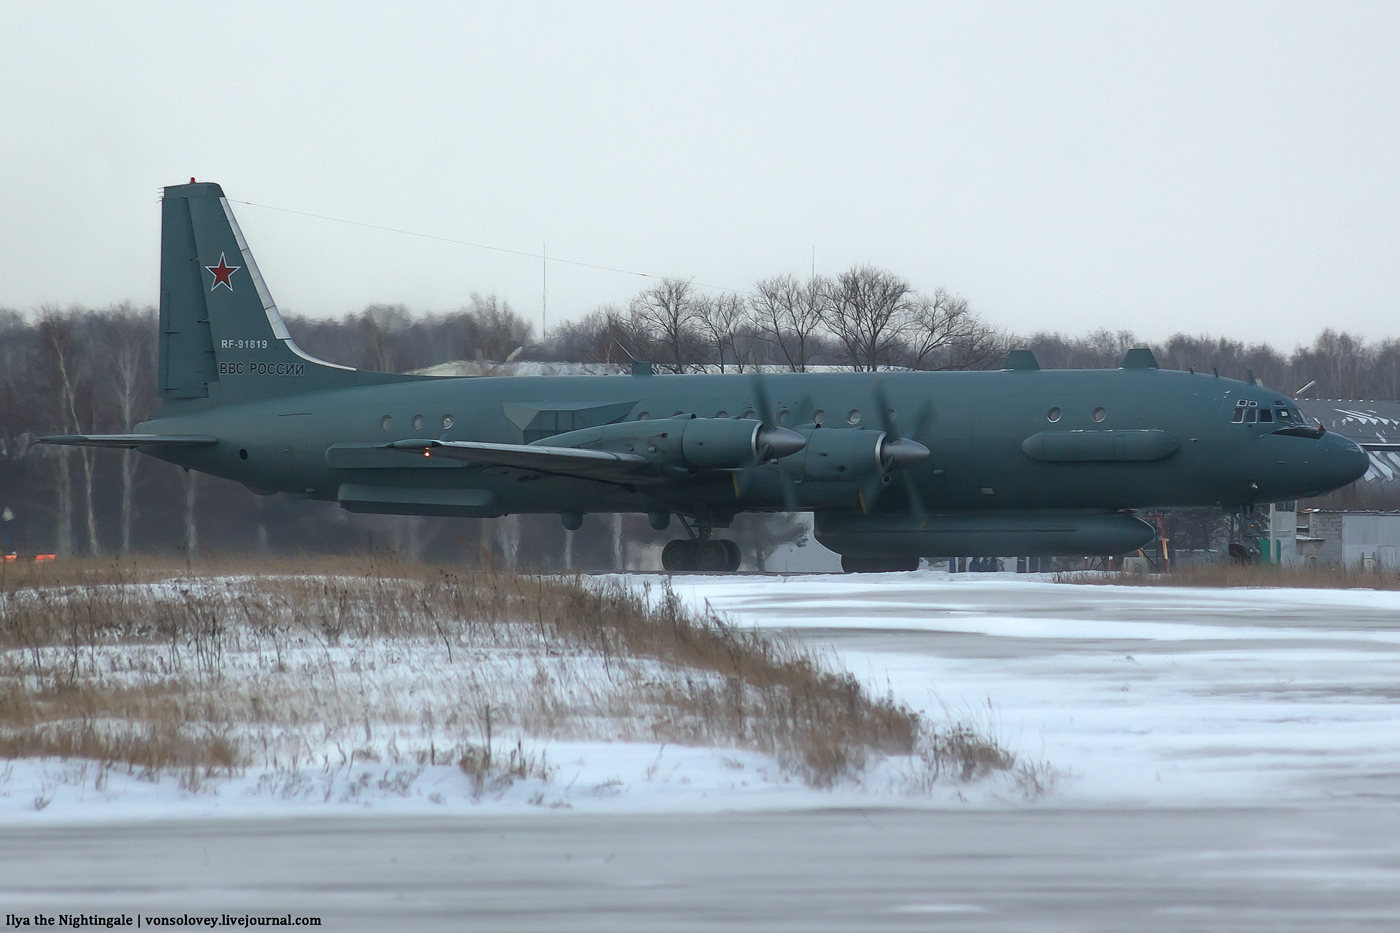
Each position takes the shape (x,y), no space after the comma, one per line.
(803,411)
(916,501)
(788,484)
(761,403)
(883,409)
(926,417)
(870,490)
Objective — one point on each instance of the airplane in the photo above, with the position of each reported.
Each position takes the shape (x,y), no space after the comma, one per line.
(895,466)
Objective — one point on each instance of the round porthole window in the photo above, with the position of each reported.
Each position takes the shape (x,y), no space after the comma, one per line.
(386,422)
(1100,414)
(417,422)
(853,417)
(643,415)
(818,416)
(446,422)
(782,417)
(748,413)
(721,414)
(1053,415)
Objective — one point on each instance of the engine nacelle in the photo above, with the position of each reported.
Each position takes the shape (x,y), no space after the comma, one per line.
(691,443)
(720,443)
(836,455)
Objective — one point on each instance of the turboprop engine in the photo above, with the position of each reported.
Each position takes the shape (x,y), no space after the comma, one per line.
(834,455)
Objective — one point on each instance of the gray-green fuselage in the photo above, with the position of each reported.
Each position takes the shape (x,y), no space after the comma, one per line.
(976,429)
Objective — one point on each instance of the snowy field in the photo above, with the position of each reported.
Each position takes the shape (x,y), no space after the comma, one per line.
(1127,696)
(1160,696)
(248,697)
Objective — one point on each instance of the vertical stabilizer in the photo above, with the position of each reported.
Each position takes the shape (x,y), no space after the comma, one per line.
(221,335)
(187,364)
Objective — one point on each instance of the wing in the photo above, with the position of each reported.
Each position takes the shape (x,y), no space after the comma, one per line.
(130,440)
(582,462)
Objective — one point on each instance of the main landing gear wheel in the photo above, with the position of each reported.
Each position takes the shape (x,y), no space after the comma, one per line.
(712,554)
(878,564)
(678,555)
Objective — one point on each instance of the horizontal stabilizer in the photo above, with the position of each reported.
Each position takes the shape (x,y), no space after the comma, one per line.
(582,462)
(128,441)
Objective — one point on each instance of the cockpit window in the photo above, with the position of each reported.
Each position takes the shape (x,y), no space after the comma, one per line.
(1252,411)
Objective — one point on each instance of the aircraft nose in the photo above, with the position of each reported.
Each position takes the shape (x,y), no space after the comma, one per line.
(1343,461)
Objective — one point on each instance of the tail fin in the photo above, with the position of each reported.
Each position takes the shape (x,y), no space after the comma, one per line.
(221,336)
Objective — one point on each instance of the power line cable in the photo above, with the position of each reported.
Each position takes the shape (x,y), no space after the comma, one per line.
(485,246)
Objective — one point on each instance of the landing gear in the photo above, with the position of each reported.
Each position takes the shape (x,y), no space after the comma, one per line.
(702,553)
(678,555)
(878,564)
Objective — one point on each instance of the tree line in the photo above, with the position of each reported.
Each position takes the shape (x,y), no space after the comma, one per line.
(86,370)
(863,319)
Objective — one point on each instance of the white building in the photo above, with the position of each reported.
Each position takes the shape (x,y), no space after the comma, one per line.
(1348,539)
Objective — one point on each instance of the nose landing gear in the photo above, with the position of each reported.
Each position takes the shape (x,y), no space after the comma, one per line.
(701,553)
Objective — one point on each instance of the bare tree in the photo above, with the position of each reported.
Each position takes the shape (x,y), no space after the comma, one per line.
(868,312)
(719,320)
(789,315)
(377,325)
(943,333)
(131,355)
(59,338)
(1386,370)
(666,313)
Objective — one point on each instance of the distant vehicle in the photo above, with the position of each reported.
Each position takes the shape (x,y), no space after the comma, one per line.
(895,466)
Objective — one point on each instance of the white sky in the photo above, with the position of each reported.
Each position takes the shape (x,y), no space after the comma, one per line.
(1222,168)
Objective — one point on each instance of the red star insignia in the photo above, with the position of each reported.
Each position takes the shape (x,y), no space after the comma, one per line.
(223,272)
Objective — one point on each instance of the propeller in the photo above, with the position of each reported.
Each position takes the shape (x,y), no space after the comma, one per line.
(897,452)
(773,442)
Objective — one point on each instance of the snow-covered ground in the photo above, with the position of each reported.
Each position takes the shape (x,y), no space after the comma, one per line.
(1136,695)
(1152,696)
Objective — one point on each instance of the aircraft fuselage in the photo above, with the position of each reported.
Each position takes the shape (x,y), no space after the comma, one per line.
(976,425)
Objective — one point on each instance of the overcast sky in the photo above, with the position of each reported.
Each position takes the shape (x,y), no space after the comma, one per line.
(1221,168)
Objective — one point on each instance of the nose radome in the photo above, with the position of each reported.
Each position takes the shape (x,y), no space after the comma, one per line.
(1346,461)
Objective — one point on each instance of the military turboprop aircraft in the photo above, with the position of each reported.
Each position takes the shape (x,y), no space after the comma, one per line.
(895,465)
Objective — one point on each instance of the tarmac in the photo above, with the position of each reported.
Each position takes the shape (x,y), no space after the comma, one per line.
(999,870)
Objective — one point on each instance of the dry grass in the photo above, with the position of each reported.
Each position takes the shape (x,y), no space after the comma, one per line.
(1230,574)
(154,667)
